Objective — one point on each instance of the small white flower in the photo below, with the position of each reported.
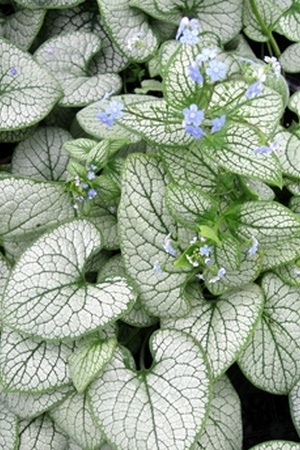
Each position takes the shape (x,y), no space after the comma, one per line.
(207,54)
(274,63)
(260,74)
(191,261)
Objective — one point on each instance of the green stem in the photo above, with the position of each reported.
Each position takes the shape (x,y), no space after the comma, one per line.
(265,29)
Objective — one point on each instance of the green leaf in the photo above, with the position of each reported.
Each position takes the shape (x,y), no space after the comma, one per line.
(31,366)
(89,359)
(62,304)
(155,121)
(236,154)
(27,406)
(28,208)
(179,89)
(269,12)
(264,111)
(269,222)
(277,445)
(137,316)
(41,433)
(48,4)
(271,358)
(142,208)
(294,103)
(192,167)
(17,135)
(289,154)
(290,58)
(294,402)
(42,156)
(152,8)
(87,119)
(74,418)
(125,24)
(222,326)
(289,273)
(28,92)
(223,428)
(281,253)
(289,22)
(79,148)
(9,429)
(156,396)
(22,27)
(105,219)
(189,205)
(109,59)
(257,189)
(67,57)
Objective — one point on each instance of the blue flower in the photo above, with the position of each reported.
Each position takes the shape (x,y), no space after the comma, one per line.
(84,185)
(196,132)
(195,74)
(254,247)
(13,71)
(190,37)
(218,123)
(193,115)
(113,111)
(92,194)
(91,175)
(168,246)
(157,268)
(207,54)
(219,275)
(254,89)
(205,250)
(185,23)
(216,70)
(263,150)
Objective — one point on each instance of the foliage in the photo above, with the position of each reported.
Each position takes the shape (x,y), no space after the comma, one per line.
(150,223)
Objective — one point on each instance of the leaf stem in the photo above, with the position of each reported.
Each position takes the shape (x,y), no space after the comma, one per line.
(265,29)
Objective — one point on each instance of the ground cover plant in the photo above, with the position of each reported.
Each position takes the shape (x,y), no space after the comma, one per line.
(150,221)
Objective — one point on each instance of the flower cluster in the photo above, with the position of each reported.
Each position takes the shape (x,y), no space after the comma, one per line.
(188,31)
(194,117)
(84,187)
(259,73)
(206,63)
(113,111)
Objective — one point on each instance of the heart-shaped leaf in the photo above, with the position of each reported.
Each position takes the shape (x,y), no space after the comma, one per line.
(283,252)
(30,365)
(41,156)
(289,22)
(66,57)
(174,409)
(28,91)
(142,208)
(222,327)
(49,279)
(271,358)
